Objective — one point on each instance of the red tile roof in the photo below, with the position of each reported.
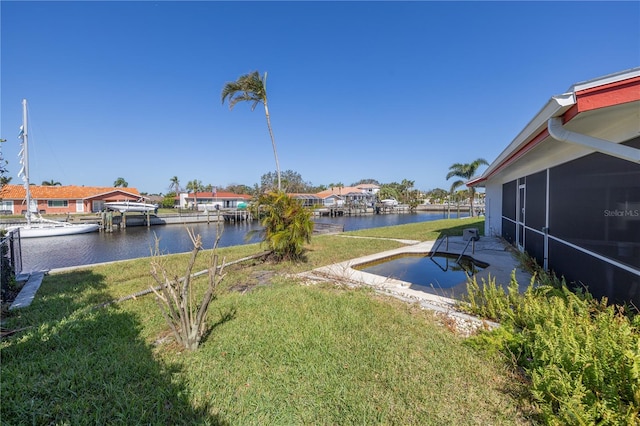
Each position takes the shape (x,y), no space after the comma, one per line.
(17,192)
(340,191)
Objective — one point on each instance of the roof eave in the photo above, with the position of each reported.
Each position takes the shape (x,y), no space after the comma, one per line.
(537,129)
(556,106)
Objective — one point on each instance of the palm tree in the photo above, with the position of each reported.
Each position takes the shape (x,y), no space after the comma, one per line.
(120,182)
(287,225)
(253,88)
(406,186)
(3,167)
(175,184)
(465,171)
(51,183)
(195,186)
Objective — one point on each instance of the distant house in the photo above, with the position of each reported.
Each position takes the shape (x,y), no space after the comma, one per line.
(212,200)
(62,199)
(369,188)
(567,189)
(308,200)
(337,195)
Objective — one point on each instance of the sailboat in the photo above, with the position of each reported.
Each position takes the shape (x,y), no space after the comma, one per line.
(36,225)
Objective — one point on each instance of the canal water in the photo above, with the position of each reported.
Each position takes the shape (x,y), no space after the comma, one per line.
(139,241)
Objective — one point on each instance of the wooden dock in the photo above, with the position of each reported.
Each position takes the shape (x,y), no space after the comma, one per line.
(116,221)
(237,216)
(360,211)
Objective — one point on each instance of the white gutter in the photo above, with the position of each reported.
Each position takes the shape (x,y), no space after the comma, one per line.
(557,105)
(558,132)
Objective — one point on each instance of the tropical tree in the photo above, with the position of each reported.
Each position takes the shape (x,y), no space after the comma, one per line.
(407,194)
(252,88)
(120,182)
(195,186)
(237,188)
(287,225)
(465,171)
(400,191)
(366,181)
(387,192)
(291,182)
(338,185)
(437,195)
(175,184)
(169,200)
(51,183)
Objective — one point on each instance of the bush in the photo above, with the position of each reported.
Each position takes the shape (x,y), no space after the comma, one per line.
(581,355)
(184,312)
(287,225)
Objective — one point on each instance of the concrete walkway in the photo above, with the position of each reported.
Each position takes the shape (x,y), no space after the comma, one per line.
(28,292)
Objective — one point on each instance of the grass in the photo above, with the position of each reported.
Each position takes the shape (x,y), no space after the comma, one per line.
(281,353)
(424,231)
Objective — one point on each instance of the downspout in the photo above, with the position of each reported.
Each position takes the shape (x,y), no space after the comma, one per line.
(558,132)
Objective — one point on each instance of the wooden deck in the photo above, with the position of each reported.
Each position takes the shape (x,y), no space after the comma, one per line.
(360,211)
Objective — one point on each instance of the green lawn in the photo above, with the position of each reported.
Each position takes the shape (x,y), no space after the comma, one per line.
(280,353)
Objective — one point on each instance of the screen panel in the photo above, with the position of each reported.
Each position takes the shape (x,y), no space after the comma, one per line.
(594,202)
(601,278)
(534,246)
(509,200)
(508,231)
(536,203)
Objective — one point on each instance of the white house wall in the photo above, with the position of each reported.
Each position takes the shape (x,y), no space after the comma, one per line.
(493,208)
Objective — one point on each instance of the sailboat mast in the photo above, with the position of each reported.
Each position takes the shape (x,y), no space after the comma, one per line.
(25,158)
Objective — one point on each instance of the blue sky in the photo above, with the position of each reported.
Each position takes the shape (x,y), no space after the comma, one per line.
(382,90)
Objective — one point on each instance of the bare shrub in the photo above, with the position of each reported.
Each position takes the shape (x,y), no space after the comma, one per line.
(176,296)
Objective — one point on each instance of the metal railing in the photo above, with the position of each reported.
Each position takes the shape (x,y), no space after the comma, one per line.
(434,250)
(10,256)
(439,243)
(473,250)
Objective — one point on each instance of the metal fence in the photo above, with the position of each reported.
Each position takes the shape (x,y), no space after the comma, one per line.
(10,256)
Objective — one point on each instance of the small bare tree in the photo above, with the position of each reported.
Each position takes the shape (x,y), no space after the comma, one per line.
(176,298)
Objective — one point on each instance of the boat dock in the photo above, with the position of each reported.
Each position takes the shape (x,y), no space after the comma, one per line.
(110,221)
(358,210)
(237,216)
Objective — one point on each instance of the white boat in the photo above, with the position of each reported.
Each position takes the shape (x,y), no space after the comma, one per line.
(131,206)
(41,227)
(36,225)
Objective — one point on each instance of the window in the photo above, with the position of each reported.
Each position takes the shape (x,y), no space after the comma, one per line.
(57,203)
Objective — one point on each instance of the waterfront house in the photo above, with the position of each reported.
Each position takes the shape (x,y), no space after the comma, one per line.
(567,189)
(369,188)
(212,200)
(307,200)
(365,194)
(62,199)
